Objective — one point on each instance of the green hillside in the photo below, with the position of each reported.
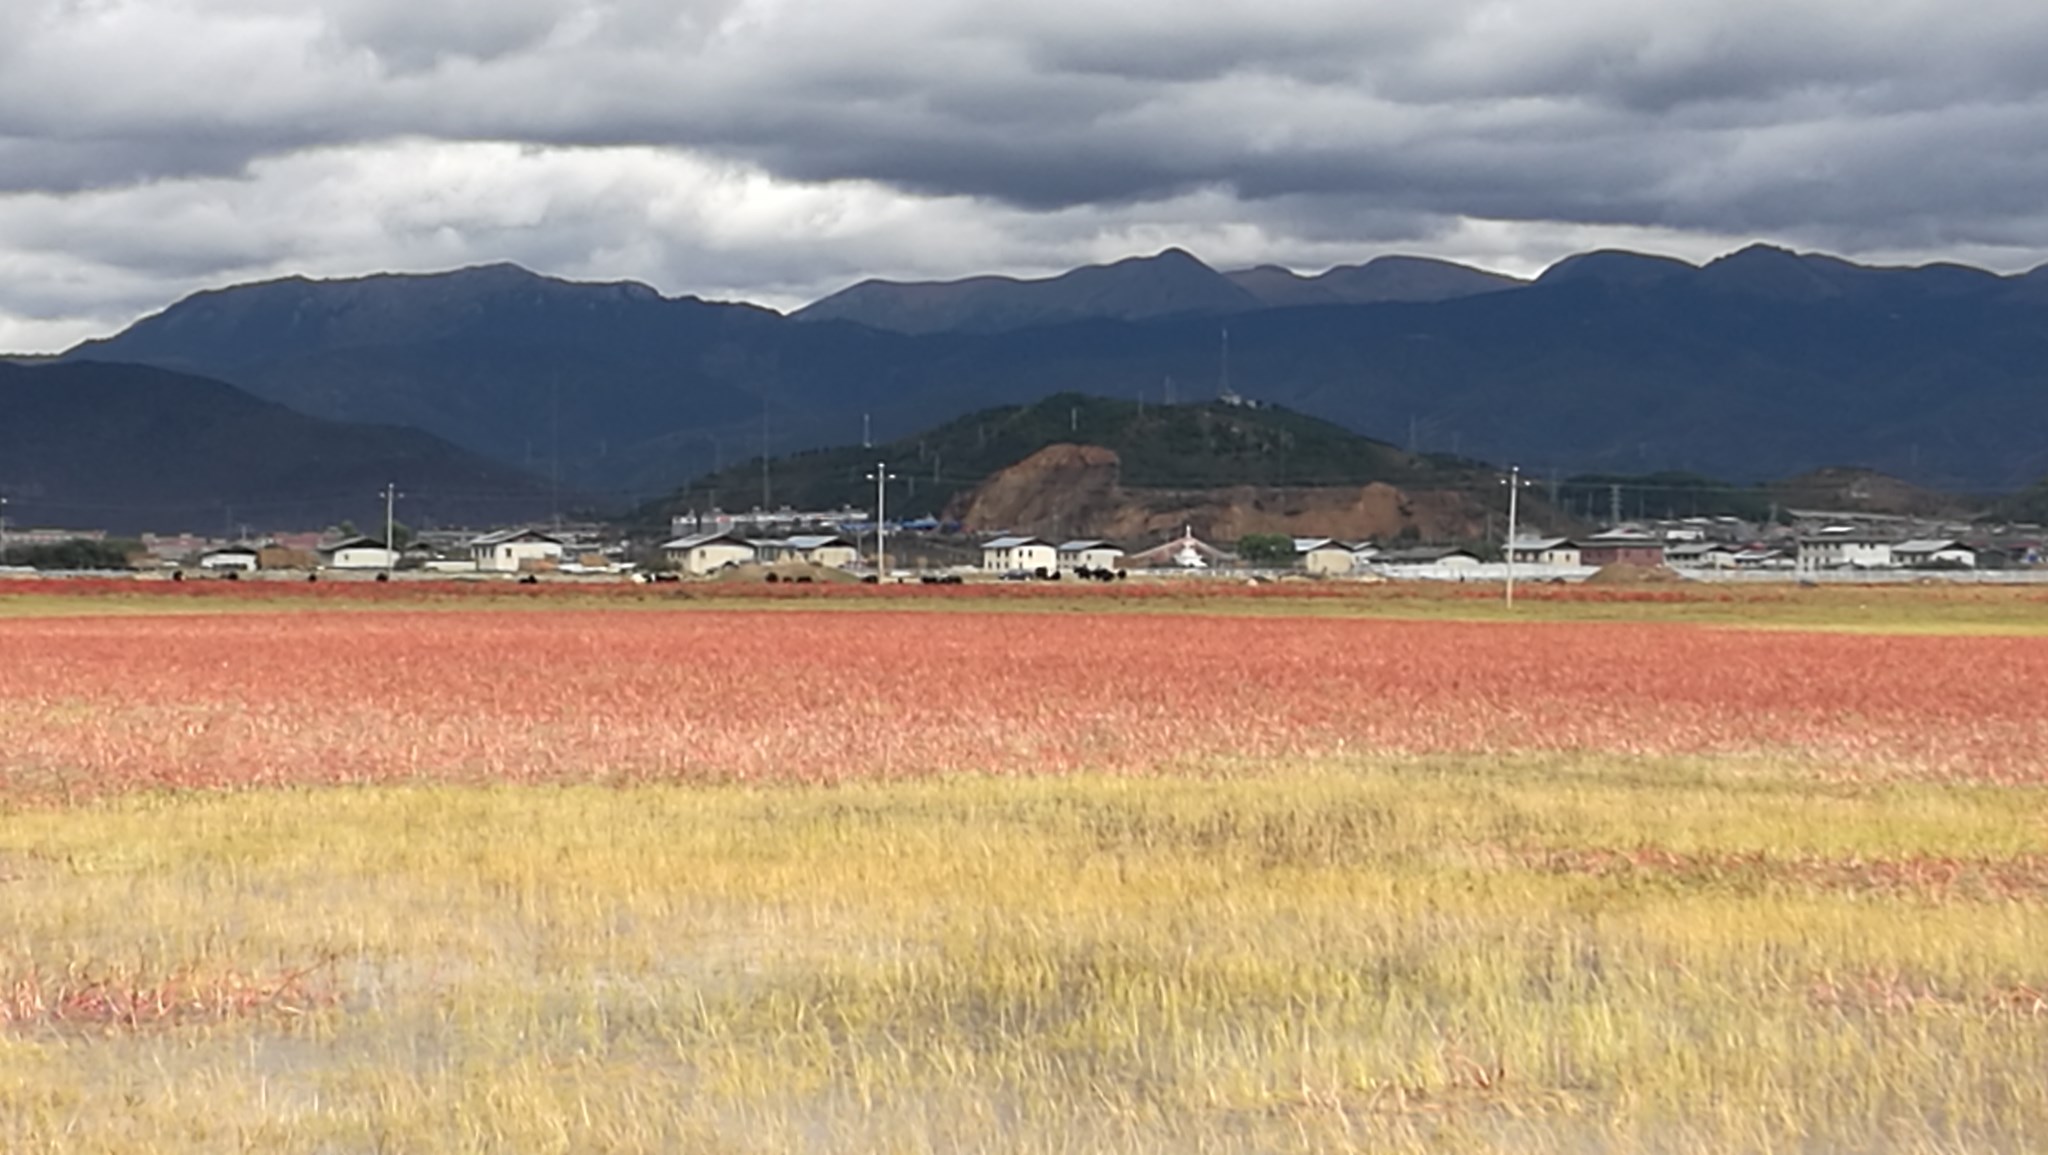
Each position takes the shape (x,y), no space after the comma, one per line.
(1196,446)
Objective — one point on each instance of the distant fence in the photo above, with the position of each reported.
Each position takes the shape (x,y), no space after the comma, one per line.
(1491,571)
(1987,577)
(1498,572)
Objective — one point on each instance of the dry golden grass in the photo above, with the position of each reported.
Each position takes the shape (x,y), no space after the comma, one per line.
(1556,954)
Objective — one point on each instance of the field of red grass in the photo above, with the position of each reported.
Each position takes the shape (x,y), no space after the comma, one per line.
(91,705)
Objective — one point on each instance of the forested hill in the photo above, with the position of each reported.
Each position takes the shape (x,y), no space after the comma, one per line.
(128,448)
(1193,446)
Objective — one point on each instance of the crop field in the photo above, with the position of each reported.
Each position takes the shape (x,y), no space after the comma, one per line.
(375,872)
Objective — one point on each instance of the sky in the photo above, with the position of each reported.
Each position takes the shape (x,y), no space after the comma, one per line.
(778,150)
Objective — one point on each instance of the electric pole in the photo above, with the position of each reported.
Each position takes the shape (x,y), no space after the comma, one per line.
(390,525)
(3,529)
(1514,484)
(881,477)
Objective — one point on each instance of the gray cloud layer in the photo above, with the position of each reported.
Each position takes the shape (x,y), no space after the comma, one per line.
(776,148)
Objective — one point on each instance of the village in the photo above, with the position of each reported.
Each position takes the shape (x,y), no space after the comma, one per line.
(845,544)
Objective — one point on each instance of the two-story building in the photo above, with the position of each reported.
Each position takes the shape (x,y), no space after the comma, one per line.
(1846,549)
(1020,554)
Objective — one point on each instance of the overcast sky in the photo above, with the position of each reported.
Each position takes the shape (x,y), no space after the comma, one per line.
(776,150)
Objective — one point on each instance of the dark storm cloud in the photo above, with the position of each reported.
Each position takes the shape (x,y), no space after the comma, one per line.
(1566,108)
(1301,125)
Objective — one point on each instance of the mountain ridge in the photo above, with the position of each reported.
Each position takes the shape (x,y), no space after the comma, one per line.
(129,448)
(1172,282)
(1760,364)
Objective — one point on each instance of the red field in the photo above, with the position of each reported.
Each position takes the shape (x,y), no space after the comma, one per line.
(93,705)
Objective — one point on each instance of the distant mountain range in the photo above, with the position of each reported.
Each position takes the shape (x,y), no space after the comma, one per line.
(1762,364)
(130,448)
(1172,284)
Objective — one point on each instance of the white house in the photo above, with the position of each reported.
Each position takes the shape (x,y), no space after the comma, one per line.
(826,549)
(359,553)
(1322,556)
(512,550)
(1942,553)
(1700,555)
(238,558)
(1845,549)
(703,553)
(1543,551)
(1089,554)
(1014,554)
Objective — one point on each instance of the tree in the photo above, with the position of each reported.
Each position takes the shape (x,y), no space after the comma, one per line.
(78,554)
(1273,549)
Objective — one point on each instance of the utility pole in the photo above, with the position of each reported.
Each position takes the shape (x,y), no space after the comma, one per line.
(881,477)
(390,525)
(3,529)
(767,492)
(1514,484)
(867,436)
(1614,505)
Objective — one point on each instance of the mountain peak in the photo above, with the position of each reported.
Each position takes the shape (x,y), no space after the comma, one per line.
(1169,257)
(1618,267)
(1771,271)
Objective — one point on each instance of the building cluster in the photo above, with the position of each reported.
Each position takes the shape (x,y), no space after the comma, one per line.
(519,550)
(1809,541)
(1812,541)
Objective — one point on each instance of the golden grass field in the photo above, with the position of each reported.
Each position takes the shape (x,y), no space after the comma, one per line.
(1405,922)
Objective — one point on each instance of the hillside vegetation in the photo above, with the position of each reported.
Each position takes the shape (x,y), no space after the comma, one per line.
(1197,446)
